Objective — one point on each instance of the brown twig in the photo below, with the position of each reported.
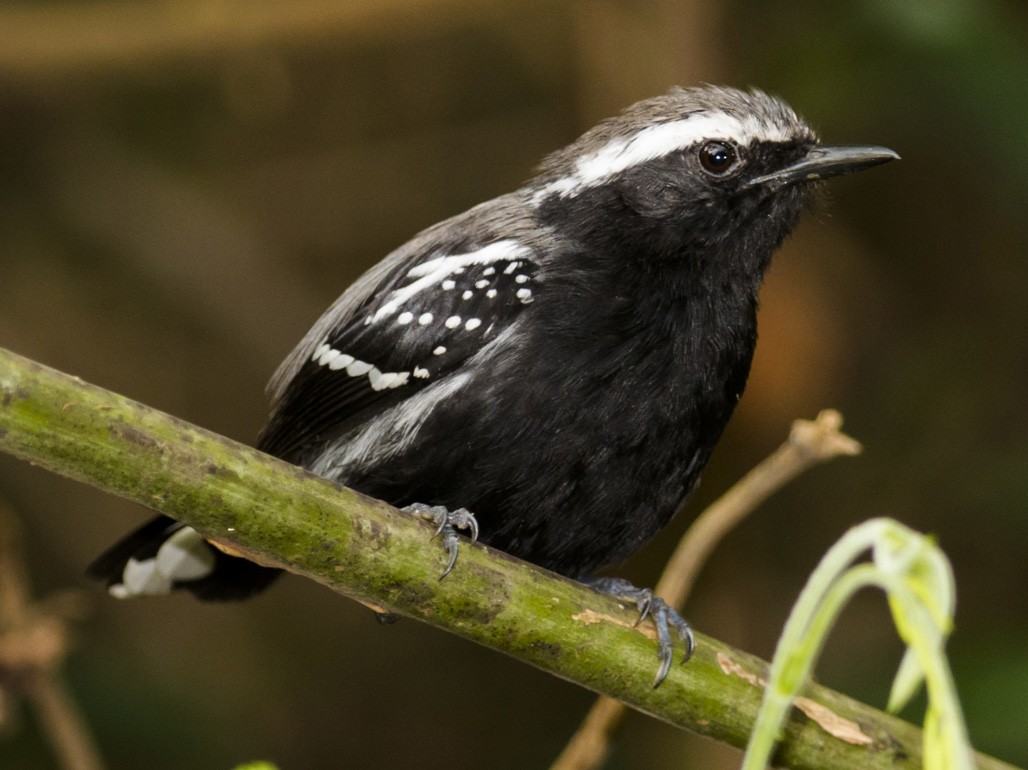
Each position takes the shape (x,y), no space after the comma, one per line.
(33,641)
(809,443)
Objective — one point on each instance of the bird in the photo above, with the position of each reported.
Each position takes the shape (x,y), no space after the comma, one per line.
(551,369)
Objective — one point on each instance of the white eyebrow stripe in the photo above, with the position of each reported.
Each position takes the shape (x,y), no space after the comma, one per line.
(435,270)
(657,141)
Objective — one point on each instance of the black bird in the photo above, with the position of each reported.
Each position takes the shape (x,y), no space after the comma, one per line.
(560,361)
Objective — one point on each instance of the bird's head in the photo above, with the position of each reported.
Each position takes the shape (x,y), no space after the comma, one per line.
(696,174)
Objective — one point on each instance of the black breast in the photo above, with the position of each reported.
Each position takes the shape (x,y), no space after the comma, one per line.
(582,441)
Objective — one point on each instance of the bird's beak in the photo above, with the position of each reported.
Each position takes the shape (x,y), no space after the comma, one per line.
(823,161)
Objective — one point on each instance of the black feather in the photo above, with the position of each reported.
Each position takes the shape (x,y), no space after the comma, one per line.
(560,360)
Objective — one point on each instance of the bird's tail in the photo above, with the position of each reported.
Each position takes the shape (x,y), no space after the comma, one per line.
(165,555)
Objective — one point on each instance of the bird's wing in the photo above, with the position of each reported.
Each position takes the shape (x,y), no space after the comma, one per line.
(407,323)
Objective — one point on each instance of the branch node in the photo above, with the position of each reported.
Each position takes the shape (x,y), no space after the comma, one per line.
(822,437)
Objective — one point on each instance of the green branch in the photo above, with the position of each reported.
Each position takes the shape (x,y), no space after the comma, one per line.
(281,515)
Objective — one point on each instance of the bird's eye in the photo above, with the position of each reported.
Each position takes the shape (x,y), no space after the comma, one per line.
(717,158)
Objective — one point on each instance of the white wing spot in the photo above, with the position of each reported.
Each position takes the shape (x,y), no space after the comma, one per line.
(382,380)
(481,284)
(328,356)
(405,317)
(358,368)
(472,324)
(511,268)
(439,350)
(525,295)
(440,270)
(489,271)
(491,293)
(521,278)
(341,362)
(425,319)
(420,373)
(378,379)
(452,322)
(468,294)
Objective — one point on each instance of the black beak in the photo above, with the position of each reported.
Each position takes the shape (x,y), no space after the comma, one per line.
(823,161)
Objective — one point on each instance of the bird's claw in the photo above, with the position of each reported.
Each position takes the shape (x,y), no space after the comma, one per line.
(447,523)
(664,617)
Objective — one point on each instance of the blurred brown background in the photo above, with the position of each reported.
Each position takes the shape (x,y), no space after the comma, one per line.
(186,184)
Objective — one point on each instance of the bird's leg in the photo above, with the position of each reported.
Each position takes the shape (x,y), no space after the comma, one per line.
(447,523)
(663,615)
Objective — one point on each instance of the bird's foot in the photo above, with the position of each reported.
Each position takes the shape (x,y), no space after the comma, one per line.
(663,615)
(447,523)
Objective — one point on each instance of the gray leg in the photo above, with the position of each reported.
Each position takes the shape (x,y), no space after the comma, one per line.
(663,615)
(447,522)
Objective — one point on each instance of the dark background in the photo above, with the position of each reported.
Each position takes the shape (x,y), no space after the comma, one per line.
(185,185)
